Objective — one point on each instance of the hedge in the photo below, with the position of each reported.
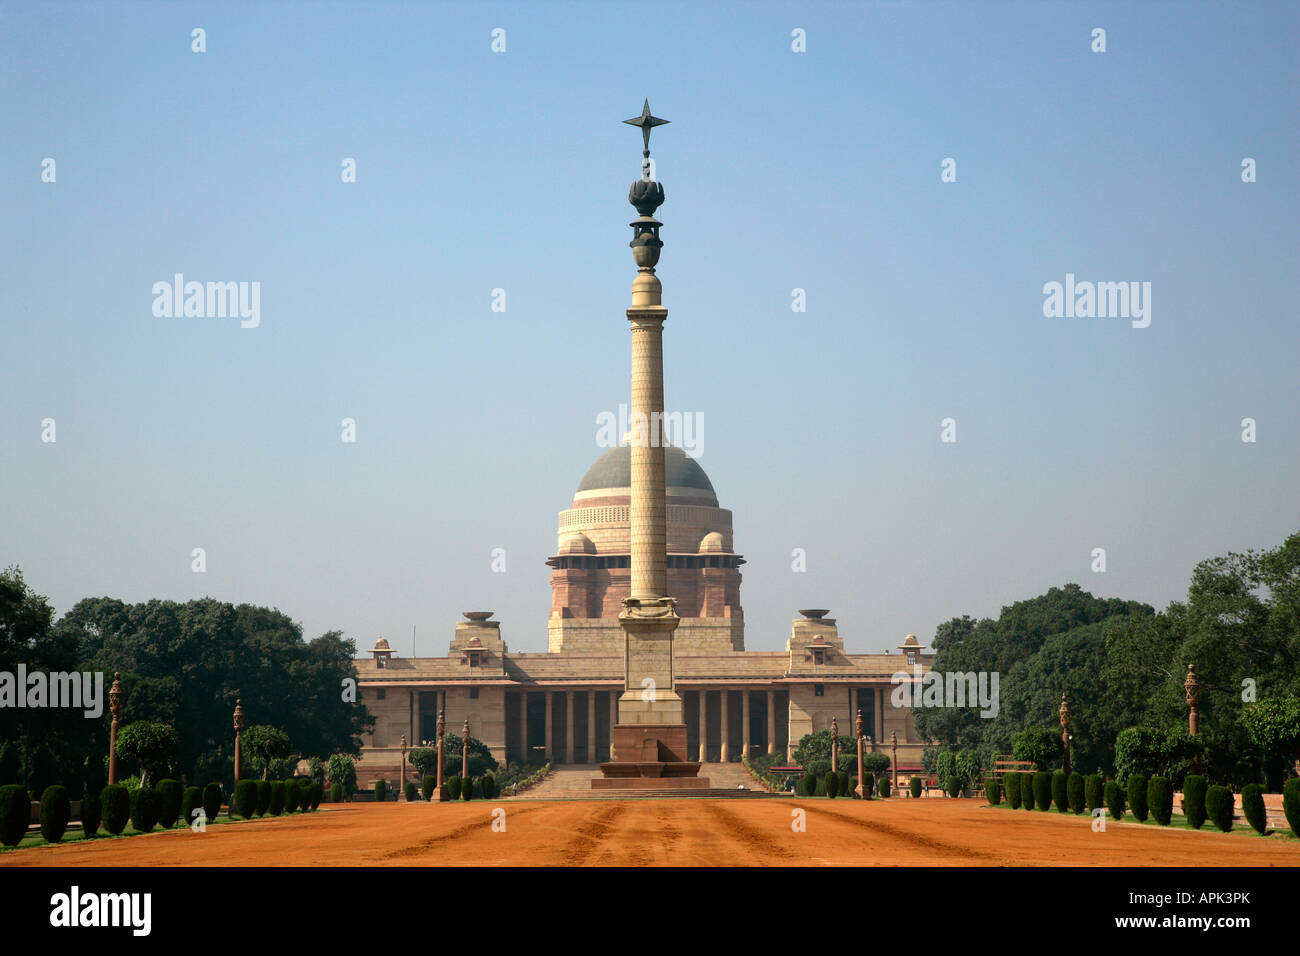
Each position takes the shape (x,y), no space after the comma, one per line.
(169,793)
(90,815)
(1160,799)
(914,785)
(808,783)
(115,800)
(869,785)
(1252,807)
(15,813)
(952,786)
(467,788)
(1219,808)
(1093,794)
(1060,791)
(1137,797)
(453,788)
(410,790)
(146,806)
(246,798)
(212,800)
(832,785)
(1114,800)
(317,794)
(428,785)
(1027,790)
(276,807)
(263,797)
(884,785)
(1074,791)
(1291,804)
(381,791)
(993,790)
(336,793)
(1013,790)
(191,800)
(56,809)
(1043,790)
(1194,800)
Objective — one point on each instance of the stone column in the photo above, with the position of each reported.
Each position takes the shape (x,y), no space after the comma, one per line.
(115,707)
(725,755)
(880,717)
(613,719)
(239,732)
(547,742)
(568,726)
(744,724)
(464,750)
(591,726)
(441,790)
(704,725)
(523,727)
(771,721)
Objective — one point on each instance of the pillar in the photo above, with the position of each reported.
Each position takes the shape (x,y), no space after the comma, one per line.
(547,742)
(744,724)
(880,718)
(704,725)
(568,726)
(591,726)
(771,721)
(725,755)
(613,719)
(523,728)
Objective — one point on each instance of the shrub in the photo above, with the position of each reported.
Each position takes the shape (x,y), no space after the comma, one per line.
(1061,791)
(246,798)
(1137,797)
(1043,790)
(915,786)
(1194,800)
(453,788)
(1219,807)
(1252,807)
(993,790)
(191,800)
(381,791)
(1012,781)
(169,795)
(276,807)
(1027,797)
(884,785)
(56,809)
(15,813)
(952,786)
(212,799)
(146,806)
(808,785)
(1093,796)
(1291,804)
(292,796)
(1114,800)
(1160,799)
(90,815)
(263,797)
(336,793)
(428,785)
(115,804)
(869,785)
(832,785)
(410,790)
(466,788)
(317,794)
(1074,792)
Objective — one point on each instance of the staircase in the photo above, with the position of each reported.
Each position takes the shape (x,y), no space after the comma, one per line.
(573,782)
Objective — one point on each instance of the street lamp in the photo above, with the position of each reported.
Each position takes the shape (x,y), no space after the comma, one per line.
(115,705)
(861,790)
(1065,732)
(401,785)
(239,729)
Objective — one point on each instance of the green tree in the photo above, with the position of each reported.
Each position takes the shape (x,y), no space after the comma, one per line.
(151,744)
(342,770)
(1273,724)
(1042,745)
(264,743)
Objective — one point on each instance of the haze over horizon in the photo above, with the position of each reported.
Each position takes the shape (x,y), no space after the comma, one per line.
(477,171)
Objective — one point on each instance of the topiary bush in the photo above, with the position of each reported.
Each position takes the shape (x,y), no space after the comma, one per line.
(869,784)
(317,794)
(336,793)
(90,815)
(1093,795)
(1252,807)
(263,797)
(1194,800)
(276,806)
(1027,797)
(381,791)
(884,786)
(1291,804)
(292,796)
(453,788)
(466,788)
(1060,791)
(832,785)
(115,802)
(428,786)
(246,798)
(1043,790)
(915,786)
(1137,797)
(1114,794)
(191,800)
(809,785)
(993,790)
(952,786)
(212,800)
(1074,792)
(1013,790)
(56,810)
(1219,807)
(169,796)
(410,791)
(146,806)
(15,813)
(1160,799)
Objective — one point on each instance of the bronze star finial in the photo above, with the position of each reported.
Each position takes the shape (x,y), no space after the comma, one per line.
(647,123)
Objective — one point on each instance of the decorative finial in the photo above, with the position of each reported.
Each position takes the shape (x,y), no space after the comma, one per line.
(647,123)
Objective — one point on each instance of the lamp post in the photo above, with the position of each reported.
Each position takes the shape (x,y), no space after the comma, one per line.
(1065,733)
(401,784)
(441,795)
(893,739)
(1192,688)
(860,791)
(464,752)
(115,705)
(239,731)
(835,745)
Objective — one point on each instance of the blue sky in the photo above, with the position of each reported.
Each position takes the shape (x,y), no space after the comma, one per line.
(479,170)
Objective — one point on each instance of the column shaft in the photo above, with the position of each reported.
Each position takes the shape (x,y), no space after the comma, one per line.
(725,755)
(591,726)
(744,724)
(704,725)
(771,721)
(568,726)
(547,742)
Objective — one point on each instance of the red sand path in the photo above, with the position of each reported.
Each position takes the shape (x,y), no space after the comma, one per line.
(696,832)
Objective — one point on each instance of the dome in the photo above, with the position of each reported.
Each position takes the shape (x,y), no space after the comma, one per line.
(712,542)
(683,475)
(576,543)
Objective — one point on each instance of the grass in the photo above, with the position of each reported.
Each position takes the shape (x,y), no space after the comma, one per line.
(1176,822)
(75,834)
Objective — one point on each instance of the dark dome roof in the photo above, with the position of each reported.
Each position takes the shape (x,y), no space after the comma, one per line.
(614,470)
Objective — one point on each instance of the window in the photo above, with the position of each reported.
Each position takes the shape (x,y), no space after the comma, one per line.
(819,690)
(473,693)
(381,693)
(911,657)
